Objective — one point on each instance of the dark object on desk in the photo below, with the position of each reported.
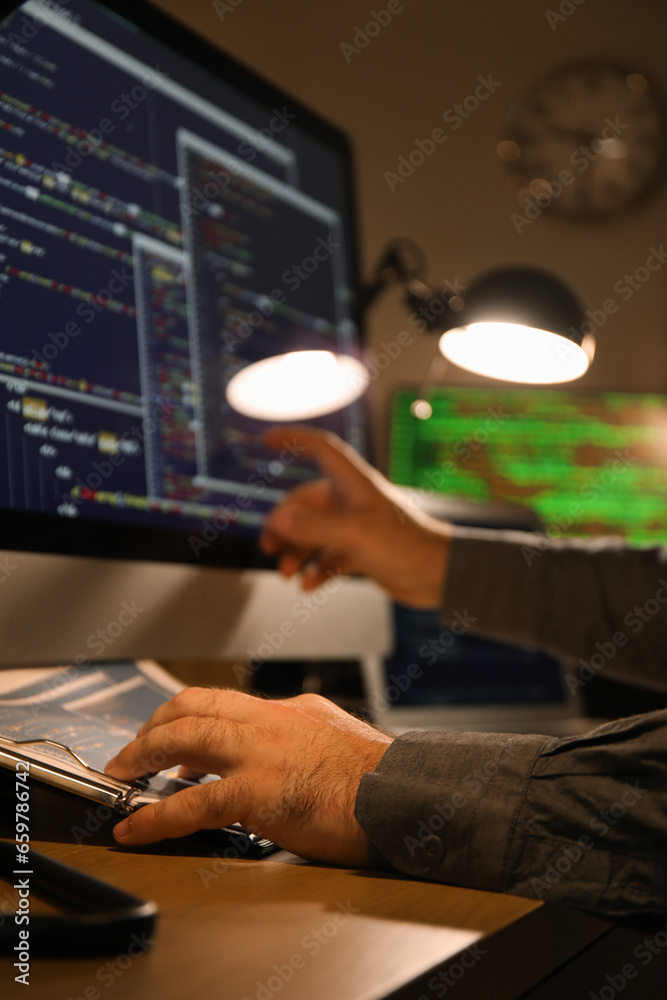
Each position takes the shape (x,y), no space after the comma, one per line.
(614,699)
(97,918)
(340,680)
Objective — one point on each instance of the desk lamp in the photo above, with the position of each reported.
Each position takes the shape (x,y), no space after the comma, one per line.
(518,324)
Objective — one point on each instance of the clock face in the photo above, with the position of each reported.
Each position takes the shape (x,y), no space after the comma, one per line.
(588,140)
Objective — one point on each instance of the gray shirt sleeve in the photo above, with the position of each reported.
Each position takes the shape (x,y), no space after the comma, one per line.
(580,820)
(598,602)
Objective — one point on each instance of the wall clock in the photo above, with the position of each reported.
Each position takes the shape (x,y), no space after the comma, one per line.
(588,140)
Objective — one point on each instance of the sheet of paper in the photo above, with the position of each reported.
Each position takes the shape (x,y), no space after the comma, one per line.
(94,710)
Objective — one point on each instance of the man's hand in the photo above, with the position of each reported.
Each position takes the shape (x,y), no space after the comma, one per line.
(289,771)
(354,521)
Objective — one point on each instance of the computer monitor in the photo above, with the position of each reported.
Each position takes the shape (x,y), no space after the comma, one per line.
(166,218)
(575,463)
(585,462)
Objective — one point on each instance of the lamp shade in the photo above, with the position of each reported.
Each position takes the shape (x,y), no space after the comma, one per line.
(520,324)
(297,385)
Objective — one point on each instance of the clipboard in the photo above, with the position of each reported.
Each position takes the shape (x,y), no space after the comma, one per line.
(94,785)
(121,797)
(96,707)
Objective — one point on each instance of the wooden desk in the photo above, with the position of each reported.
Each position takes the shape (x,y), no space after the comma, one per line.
(233,930)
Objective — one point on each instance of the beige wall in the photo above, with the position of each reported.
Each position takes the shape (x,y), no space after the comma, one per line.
(457,205)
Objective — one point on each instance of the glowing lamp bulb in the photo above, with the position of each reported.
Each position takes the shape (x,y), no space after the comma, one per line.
(297,385)
(516,353)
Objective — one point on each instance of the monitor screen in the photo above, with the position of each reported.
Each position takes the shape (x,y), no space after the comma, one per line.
(435,666)
(166,218)
(588,463)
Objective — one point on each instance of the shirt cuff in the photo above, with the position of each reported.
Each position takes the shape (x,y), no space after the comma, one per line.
(444,805)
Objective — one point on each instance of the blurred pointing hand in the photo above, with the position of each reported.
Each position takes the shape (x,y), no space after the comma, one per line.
(354,521)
